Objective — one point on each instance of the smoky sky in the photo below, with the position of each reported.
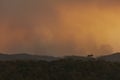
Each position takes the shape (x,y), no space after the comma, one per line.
(53,27)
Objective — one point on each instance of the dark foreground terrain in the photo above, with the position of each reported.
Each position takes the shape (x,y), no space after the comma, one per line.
(64,69)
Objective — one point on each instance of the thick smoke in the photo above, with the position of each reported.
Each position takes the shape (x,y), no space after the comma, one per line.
(52,27)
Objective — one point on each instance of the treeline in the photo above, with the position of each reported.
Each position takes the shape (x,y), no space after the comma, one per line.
(65,69)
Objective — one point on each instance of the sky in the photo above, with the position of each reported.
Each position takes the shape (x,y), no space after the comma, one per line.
(60,27)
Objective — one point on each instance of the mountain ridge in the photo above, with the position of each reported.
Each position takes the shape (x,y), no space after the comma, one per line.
(24,56)
(112,57)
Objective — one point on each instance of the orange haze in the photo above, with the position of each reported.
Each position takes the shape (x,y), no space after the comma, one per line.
(60,27)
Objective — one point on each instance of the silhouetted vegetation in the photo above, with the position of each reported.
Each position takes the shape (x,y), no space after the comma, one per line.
(64,69)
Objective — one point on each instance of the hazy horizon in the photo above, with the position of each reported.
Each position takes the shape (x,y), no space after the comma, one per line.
(60,27)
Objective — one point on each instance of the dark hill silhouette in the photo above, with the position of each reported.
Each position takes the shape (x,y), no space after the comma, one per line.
(113,57)
(25,56)
(74,57)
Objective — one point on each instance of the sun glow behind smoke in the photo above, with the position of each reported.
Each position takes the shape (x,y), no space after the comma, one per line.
(60,27)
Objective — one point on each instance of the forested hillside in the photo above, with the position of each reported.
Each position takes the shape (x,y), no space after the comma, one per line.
(64,69)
